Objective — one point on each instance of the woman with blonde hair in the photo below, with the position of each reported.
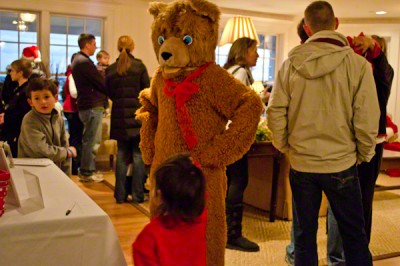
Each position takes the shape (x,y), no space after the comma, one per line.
(124,80)
(242,56)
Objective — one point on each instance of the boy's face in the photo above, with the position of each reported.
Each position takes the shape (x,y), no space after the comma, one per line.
(43,101)
(15,75)
(103,60)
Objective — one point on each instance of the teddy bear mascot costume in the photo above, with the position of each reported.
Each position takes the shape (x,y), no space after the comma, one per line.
(189,103)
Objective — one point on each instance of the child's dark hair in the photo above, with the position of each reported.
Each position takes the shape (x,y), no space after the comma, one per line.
(38,84)
(301,32)
(182,186)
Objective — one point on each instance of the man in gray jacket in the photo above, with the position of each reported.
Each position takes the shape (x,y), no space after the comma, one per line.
(324,112)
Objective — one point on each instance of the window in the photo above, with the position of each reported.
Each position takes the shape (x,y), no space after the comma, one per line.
(264,71)
(64,33)
(17,31)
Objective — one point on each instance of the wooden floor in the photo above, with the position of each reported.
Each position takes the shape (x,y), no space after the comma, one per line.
(128,221)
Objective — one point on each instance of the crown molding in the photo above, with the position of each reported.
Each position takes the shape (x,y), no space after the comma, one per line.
(369,20)
(256,14)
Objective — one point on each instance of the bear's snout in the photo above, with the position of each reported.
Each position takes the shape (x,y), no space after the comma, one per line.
(166,55)
(174,53)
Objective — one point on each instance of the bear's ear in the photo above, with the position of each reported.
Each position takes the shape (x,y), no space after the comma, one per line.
(156,8)
(206,9)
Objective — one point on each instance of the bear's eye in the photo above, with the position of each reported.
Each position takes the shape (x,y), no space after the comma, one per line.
(187,40)
(160,40)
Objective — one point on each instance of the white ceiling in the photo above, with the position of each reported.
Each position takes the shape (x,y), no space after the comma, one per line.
(295,8)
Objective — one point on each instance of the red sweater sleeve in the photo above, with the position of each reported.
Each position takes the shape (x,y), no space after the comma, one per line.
(144,249)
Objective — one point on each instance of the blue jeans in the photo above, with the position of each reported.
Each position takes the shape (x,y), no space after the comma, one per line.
(344,195)
(128,151)
(335,254)
(92,129)
(334,246)
(295,228)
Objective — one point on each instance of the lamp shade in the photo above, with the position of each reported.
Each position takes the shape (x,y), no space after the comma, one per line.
(238,27)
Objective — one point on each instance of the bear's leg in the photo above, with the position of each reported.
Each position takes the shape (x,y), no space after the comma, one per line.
(216,221)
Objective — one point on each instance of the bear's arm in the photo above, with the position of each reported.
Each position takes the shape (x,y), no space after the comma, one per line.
(148,115)
(243,107)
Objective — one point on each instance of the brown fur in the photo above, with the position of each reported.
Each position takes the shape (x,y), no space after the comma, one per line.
(220,98)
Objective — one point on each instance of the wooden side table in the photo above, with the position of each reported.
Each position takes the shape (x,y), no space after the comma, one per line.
(267,150)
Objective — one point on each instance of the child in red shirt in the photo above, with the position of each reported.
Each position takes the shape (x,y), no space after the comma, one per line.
(177,235)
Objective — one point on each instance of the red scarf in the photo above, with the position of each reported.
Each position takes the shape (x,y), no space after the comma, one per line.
(183,92)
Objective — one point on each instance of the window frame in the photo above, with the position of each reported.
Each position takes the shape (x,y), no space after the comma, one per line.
(18,41)
(67,46)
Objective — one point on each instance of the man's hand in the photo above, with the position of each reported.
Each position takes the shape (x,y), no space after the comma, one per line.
(71,150)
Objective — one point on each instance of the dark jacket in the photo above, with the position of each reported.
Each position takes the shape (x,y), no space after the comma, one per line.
(89,83)
(124,92)
(383,75)
(15,111)
(7,91)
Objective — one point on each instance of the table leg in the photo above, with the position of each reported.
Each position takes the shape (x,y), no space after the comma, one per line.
(274,188)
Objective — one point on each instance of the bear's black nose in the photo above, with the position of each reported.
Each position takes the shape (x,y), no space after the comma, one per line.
(166,55)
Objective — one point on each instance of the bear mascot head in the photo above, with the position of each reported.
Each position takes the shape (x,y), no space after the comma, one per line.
(184,35)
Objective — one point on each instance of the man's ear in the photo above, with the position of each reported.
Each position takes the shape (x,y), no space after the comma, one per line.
(307,29)
(337,23)
(56,96)
(30,102)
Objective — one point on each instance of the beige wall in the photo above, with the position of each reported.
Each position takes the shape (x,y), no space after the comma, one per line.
(131,17)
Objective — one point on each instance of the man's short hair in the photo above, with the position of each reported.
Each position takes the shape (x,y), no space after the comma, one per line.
(84,38)
(319,16)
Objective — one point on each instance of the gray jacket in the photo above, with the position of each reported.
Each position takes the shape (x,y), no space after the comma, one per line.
(324,109)
(44,136)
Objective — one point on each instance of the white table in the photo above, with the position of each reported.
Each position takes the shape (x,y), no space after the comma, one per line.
(48,237)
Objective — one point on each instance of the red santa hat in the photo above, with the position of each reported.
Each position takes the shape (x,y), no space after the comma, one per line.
(32,53)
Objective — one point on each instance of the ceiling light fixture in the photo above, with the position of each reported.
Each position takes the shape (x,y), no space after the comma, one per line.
(22,27)
(380,12)
(27,17)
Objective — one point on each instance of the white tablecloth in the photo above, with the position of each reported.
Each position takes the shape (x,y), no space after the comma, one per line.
(48,237)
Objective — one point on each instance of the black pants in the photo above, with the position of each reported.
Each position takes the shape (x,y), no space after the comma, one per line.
(238,178)
(75,129)
(368,174)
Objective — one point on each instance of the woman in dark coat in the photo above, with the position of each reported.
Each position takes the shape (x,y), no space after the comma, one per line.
(124,80)
(17,105)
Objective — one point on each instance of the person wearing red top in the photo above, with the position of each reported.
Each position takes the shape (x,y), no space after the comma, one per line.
(70,108)
(177,235)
